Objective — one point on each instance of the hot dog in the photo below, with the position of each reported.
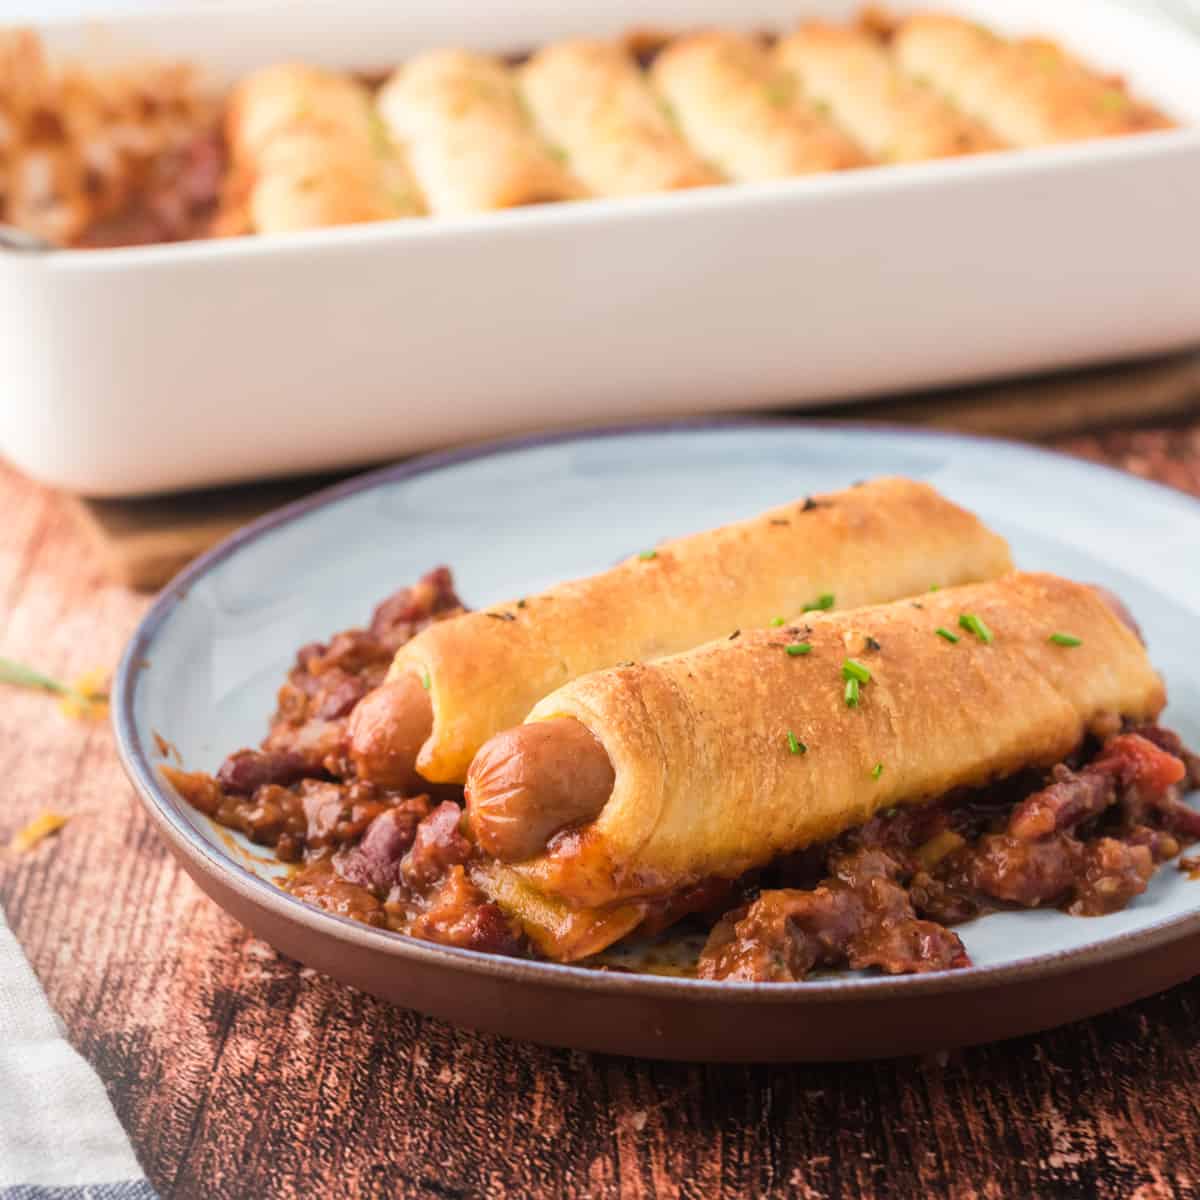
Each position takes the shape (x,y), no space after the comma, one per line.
(743,113)
(591,99)
(1029,91)
(459,117)
(893,116)
(729,755)
(529,783)
(482,672)
(308,153)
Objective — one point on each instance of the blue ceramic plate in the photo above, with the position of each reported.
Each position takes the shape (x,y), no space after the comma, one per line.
(512,518)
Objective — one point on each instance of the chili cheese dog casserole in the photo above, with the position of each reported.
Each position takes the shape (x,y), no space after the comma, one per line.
(149,155)
(832,782)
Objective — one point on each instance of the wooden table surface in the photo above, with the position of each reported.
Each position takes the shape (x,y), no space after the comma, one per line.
(241,1074)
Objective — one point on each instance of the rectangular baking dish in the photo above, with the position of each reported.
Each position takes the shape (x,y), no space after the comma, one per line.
(164,367)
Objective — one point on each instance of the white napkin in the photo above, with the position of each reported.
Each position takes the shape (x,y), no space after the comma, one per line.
(59,1136)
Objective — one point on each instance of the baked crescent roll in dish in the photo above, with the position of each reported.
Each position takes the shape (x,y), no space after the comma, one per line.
(887,112)
(308,152)
(591,100)
(743,113)
(703,766)
(471,143)
(460,681)
(1030,92)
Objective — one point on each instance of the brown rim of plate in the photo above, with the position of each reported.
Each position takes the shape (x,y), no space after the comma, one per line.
(168,814)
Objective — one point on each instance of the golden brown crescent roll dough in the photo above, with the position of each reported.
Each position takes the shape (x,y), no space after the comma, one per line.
(485,670)
(895,118)
(472,146)
(708,782)
(591,99)
(308,152)
(745,114)
(1030,92)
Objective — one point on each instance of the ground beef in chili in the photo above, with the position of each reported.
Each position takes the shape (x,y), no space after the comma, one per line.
(1086,838)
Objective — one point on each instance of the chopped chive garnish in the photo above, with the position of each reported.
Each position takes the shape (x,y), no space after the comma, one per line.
(425,681)
(1066,639)
(823,602)
(851,693)
(795,745)
(872,644)
(796,649)
(943,632)
(23,676)
(779,91)
(853,669)
(647,555)
(776,622)
(877,770)
(972,624)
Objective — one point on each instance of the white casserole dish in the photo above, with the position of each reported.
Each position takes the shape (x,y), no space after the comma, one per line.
(158,368)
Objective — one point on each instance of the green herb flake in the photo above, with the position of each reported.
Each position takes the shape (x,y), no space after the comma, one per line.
(853,669)
(647,555)
(780,91)
(22,676)
(795,745)
(851,693)
(877,770)
(822,603)
(1065,639)
(972,624)
(425,680)
(776,622)
(19,675)
(798,649)
(943,632)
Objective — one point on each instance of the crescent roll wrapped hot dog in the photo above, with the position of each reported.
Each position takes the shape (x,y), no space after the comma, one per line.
(471,143)
(1029,91)
(308,152)
(591,99)
(895,118)
(743,113)
(456,684)
(729,755)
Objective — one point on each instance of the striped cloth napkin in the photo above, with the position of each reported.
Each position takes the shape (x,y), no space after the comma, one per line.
(59,1136)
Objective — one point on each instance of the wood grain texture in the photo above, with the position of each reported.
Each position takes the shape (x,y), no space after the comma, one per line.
(240,1074)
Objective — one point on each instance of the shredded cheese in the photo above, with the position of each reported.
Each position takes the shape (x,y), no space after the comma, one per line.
(41,827)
